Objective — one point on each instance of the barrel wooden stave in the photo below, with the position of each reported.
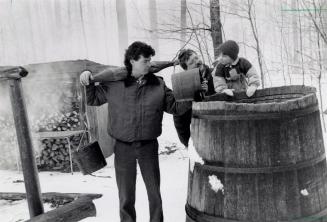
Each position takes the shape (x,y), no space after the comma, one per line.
(260,143)
(259,197)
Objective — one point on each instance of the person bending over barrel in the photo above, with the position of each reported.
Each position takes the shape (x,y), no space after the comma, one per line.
(189,59)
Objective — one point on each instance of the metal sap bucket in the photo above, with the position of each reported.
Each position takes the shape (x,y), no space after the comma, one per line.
(89,158)
(186,84)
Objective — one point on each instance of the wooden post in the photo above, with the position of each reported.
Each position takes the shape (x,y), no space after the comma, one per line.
(31,179)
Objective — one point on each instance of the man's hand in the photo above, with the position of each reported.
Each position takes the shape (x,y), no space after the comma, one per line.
(228,92)
(85,78)
(251,90)
(204,86)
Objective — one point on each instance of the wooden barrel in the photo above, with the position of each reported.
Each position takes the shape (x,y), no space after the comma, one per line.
(186,84)
(266,152)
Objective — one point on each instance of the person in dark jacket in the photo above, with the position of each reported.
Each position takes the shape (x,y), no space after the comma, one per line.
(189,59)
(135,111)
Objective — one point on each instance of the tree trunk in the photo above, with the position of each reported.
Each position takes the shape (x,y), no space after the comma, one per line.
(253,23)
(295,32)
(301,48)
(154,25)
(122,27)
(319,80)
(183,22)
(216,33)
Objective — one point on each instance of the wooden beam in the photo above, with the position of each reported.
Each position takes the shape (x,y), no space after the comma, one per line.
(31,178)
(75,211)
(119,73)
(48,196)
(12,72)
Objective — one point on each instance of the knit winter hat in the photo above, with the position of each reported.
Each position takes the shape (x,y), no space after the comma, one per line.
(229,48)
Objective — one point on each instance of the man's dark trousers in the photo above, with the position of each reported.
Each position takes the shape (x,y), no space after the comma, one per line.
(127,154)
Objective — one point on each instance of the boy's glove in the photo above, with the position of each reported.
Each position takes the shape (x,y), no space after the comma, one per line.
(251,90)
(228,92)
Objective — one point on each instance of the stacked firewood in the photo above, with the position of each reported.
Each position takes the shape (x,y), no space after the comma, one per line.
(55,153)
(58,122)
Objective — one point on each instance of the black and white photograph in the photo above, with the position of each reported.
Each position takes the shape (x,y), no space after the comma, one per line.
(163,110)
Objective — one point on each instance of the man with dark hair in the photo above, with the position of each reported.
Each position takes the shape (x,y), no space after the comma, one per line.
(189,59)
(135,112)
(133,53)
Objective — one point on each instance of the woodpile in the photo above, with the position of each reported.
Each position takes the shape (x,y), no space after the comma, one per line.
(55,153)
(58,122)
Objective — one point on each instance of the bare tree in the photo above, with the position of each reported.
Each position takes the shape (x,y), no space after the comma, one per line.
(122,26)
(318,23)
(83,27)
(154,25)
(295,31)
(216,29)
(252,20)
(301,45)
(281,22)
(183,22)
(246,11)
(319,79)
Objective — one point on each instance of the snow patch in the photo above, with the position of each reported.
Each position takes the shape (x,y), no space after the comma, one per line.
(215,183)
(304,192)
(193,156)
(14,211)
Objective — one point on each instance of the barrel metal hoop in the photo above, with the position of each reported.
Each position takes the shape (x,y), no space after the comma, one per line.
(218,168)
(198,216)
(257,116)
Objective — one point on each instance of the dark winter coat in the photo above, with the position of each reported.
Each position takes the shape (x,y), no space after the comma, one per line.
(182,122)
(135,110)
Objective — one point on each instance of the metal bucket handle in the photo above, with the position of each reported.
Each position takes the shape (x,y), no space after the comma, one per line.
(86,120)
(80,141)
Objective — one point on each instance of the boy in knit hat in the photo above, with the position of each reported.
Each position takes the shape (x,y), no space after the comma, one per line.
(233,73)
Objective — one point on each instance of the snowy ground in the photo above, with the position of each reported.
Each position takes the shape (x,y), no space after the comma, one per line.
(174,169)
